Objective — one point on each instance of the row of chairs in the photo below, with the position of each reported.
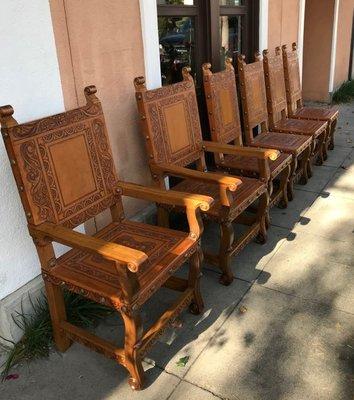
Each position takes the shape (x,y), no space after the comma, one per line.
(65,175)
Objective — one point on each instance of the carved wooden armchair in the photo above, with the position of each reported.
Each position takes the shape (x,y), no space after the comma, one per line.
(65,175)
(296,107)
(172,133)
(277,107)
(255,116)
(225,127)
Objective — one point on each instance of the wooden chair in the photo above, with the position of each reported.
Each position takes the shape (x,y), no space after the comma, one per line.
(296,107)
(172,133)
(277,107)
(255,115)
(225,127)
(65,175)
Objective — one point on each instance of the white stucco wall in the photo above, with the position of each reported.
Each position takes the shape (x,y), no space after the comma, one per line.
(30,82)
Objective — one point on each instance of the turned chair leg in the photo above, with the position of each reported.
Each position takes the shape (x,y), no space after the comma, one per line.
(163,217)
(226,240)
(304,165)
(195,273)
(331,136)
(321,145)
(284,178)
(262,216)
(58,314)
(326,142)
(270,192)
(133,334)
(293,167)
(310,160)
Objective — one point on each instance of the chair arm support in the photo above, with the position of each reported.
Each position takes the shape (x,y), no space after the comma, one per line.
(112,251)
(170,197)
(262,154)
(226,183)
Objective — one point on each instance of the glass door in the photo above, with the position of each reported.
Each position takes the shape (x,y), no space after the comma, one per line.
(180,35)
(192,32)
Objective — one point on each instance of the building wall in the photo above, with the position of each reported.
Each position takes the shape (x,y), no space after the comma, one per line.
(317,49)
(344,35)
(283,22)
(30,82)
(100,43)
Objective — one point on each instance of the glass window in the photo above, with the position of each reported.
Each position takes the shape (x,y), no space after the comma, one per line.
(230,34)
(176,2)
(177,46)
(230,2)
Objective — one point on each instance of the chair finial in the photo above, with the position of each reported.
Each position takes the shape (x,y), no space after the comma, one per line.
(257,56)
(6,118)
(206,67)
(90,94)
(241,59)
(294,46)
(277,51)
(139,83)
(186,73)
(228,64)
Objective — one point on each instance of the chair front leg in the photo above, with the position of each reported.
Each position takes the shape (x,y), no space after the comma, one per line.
(57,314)
(331,136)
(133,335)
(284,177)
(195,273)
(321,145)
(304,162)
(163,217)
(293,167)
(226,240)
(262,217)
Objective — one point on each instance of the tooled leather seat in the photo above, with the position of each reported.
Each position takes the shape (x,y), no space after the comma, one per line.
(251,163)
(300,126)
(164,248)
(287,142)
(247,192)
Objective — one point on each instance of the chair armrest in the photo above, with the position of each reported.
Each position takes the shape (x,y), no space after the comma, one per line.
(112,251)
(262,154)
(170,197)
(226,183)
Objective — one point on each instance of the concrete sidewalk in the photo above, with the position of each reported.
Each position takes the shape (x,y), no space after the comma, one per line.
(284,330)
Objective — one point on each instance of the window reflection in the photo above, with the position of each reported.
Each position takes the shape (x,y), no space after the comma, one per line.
(230,34)
(230,2)
(176,36)
(176,2)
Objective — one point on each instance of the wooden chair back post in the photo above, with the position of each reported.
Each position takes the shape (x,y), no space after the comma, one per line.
(62,164)
(170,123)
(253,96)
(275,86)
(292,79)
(222,104)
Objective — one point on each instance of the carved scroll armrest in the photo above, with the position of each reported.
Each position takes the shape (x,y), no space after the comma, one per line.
(125,255)
(226,183)
(192,202)
(244,151)
(261,154)
(170,197)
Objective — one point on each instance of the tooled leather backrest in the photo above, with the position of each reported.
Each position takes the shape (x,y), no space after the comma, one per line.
(253,95)
(170,121)
(275,86)
(62,164)
(292,78)
(222,104)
